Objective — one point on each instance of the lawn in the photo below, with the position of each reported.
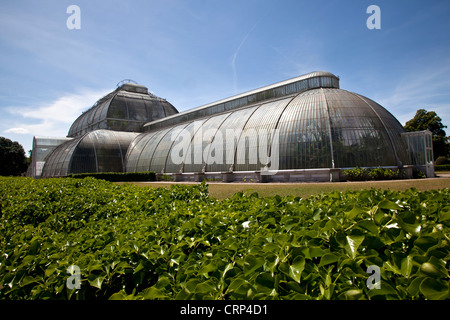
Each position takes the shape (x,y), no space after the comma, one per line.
(220,190)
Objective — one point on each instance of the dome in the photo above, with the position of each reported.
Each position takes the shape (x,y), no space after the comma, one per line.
(317,128)
(96,151)
(127,108)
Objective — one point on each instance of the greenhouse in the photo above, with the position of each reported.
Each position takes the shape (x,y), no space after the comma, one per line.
(302,129)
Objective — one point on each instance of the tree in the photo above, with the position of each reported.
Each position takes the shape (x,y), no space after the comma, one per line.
(13,161)
(429,120)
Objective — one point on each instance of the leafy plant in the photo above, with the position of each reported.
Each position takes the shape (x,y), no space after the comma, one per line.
(178,243)
(118,176)
(356,174)
(379,173)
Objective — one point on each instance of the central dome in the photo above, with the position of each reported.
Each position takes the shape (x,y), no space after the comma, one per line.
(127,108)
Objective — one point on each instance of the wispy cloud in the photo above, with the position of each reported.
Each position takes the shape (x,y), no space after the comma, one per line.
(52,118)
(426,88)
(236,53)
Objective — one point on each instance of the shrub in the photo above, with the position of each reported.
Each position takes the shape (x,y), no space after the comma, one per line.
(118,176)
(443,167)
(356,174)
(418,174)
(361,174)
(441,161)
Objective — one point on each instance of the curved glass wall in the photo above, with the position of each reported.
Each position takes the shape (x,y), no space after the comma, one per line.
(96,151)
(318,128)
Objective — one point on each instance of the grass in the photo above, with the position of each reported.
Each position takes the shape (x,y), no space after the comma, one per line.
(221,191)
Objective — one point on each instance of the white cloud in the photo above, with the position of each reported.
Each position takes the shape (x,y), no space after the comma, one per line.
(53,118)
(17,130)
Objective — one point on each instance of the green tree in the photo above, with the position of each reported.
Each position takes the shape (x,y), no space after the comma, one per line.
(13,161)
(424,120)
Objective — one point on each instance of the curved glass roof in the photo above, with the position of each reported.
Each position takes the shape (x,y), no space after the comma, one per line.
(317,79)
(127,108)
(317,128)
(96,151)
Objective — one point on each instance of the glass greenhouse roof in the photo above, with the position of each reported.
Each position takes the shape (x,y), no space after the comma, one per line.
(127,108)
(317,79)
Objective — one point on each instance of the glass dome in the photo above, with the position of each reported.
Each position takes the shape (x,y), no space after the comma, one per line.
(127,108)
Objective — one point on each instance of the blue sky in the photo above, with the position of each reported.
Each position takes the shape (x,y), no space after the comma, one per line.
(192,52)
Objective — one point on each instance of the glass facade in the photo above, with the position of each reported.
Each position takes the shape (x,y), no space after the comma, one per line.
(420,150)
(97,151)
(42,148)
(317,128)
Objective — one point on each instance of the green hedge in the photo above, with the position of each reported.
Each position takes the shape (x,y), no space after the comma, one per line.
(118,176)
(363,174)
(442,167)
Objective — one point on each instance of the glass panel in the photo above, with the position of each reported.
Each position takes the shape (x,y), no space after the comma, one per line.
(230,130)
(135,150)
(162,151)
(201,142)
(304,134)
(359,136)
(145,158)
(179,147)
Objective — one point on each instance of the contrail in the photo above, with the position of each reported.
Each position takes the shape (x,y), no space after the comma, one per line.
(233,61)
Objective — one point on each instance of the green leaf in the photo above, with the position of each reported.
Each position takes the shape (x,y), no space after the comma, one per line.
(406,266)
(356,211)
(315,252)
(434,267)
(296,268)
(271,261)
(385,289)
(414,287)
(386,204)
(425,242)
(153,293)
(369,226)
(28,280)
(353,243)
(252,263)
(239,288)
(205,287)
(192,284)
(121,295)
(210,267)
(328,259)
(444,214)
(96,281)
(264,282)
(434,289)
